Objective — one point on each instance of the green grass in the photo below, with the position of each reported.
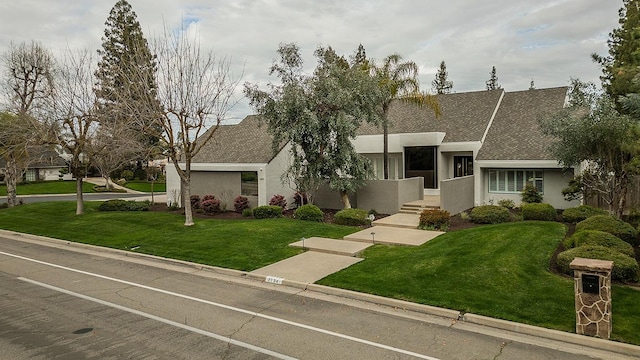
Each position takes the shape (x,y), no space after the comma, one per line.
(499,271)
(145,186)
(48,187)
(244,244)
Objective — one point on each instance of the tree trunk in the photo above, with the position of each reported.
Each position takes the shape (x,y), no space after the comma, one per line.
(385,151)
(79,201)
(106,182)
(11,180)
(186,201)
(622,195)
(345,200)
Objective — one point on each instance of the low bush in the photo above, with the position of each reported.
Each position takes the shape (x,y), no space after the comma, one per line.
(267,212)
(240,203)
(530,194)
(434,220)
(582,212)
(610,224)
(247,212)
(207,197)
(124,205)
(210,206)
(309,212)
(633,217)
(352,217)
(278,200)
(508,203)
(599,238)
(127,175)
(624,267)
(538,211)
(195,201)
(489,214)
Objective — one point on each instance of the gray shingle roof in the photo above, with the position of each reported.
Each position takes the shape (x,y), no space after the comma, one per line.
(515,133)
(246,142)
(464,116)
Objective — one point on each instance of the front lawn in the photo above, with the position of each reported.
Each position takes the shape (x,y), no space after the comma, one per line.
(499,271)
(145,186)
(48,187)
(243,244)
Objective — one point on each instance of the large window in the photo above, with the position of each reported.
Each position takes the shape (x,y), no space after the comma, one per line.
(421,161)
(514,181)
(249,183)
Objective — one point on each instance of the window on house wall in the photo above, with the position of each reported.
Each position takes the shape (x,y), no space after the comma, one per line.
(249,183)
(514,181)
(31,175)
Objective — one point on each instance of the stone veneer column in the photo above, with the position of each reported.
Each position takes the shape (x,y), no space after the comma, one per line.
(592,284)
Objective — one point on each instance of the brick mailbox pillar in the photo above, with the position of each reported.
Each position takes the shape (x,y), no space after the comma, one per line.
(592,284)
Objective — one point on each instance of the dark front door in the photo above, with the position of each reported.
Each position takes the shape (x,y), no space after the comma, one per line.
(462,166)
(421,161)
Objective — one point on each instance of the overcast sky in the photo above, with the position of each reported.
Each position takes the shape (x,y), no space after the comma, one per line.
(547,41)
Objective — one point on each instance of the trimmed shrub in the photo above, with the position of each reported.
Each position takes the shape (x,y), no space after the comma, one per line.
(599,238)
(434,220)
(210,206)
(240,203)
(352,217)
(538,211)
(267,212)
(624,267)
(195,201)
(489,214)
(124,205)
(634,217)
(278,200)
(530,194)
(582,212)
(207,197)
(127,175)
(247,212)
(309,212)
(508,203)
(610,224)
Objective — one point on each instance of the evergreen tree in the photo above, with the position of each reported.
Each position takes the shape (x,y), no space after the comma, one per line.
(532,85)
(125,55)
(622,64)
(359,59)
(492,83)
(441,84)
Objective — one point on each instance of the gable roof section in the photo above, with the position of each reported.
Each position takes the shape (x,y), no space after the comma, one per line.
(465,116)
(246,142)
(515,133)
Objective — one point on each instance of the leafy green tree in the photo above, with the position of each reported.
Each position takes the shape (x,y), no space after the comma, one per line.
(492,83)
(441,84)
(622,65)
(125,58)
(398,80)
(318,115)
(592,130)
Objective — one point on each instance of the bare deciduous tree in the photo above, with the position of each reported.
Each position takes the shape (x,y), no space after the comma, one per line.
(195,90)
(28,85)
(73,112)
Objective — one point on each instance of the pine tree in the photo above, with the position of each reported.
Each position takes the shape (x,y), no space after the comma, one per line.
(622,64)
(492,83)
(125,55)
(441,84)
(360,58)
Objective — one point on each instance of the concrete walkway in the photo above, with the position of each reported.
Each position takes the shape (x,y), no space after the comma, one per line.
(326,256)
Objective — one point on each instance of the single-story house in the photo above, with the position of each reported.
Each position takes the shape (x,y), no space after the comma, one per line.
(45,165)
(486,146)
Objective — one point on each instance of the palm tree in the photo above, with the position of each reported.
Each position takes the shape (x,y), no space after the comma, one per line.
(399,81)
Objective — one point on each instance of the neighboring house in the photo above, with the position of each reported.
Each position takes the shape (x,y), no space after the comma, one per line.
(485,147)
(43,166)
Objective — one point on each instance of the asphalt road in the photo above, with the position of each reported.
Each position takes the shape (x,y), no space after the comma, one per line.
(58,301)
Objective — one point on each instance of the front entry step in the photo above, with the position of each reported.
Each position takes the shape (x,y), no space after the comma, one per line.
(332,246)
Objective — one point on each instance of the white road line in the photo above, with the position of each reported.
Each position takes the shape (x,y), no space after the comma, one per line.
(163,320)
(243,311)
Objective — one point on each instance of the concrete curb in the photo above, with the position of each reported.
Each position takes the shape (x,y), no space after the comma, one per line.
(562,336)
(608,345)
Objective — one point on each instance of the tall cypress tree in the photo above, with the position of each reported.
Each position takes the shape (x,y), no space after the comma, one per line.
(441,84)
(125,55)
(621,66)
(492,83)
